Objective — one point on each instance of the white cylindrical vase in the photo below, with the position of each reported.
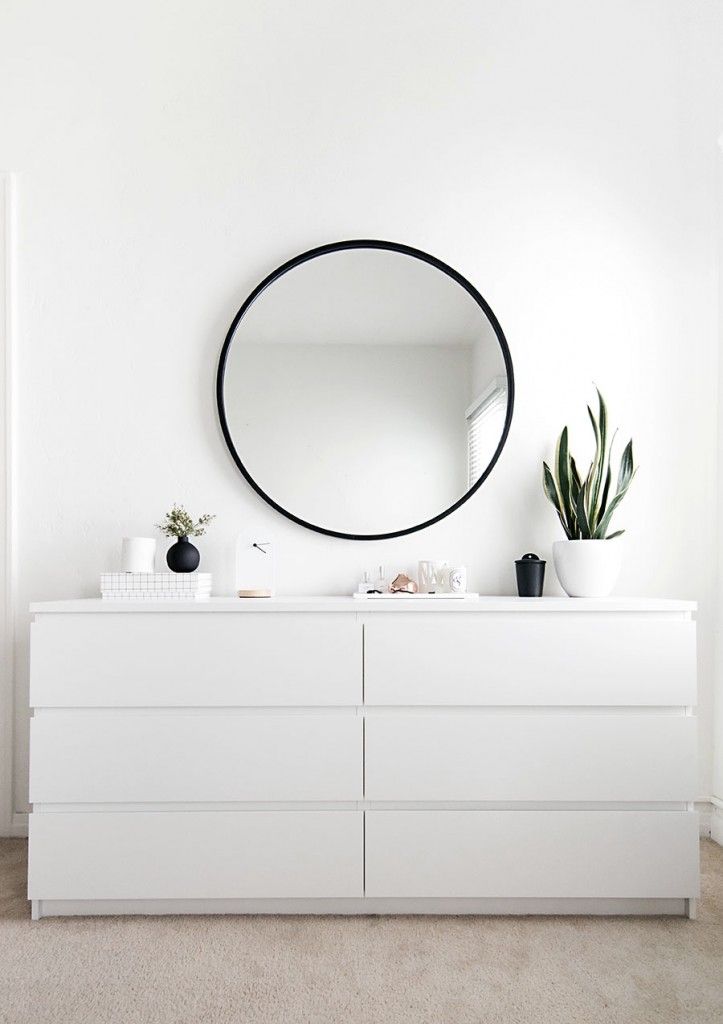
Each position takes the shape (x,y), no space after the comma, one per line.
(138,554)
(587,568)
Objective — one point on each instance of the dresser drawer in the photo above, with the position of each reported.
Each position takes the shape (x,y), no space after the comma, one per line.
(195,660)
(526,659)
(196,855)
(486,756)
(595,854)
(156,756)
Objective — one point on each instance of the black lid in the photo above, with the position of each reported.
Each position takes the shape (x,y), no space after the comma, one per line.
(529,557)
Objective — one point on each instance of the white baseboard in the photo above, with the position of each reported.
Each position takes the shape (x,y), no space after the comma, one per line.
(716,823)
(16,828)
(705,817)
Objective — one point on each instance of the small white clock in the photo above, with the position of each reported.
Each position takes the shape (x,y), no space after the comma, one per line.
(254,564)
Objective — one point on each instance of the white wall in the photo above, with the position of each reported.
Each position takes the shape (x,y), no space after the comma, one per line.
(717,780)
(7,576)
(170,154)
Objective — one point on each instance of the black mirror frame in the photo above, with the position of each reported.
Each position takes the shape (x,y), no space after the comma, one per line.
(322,250)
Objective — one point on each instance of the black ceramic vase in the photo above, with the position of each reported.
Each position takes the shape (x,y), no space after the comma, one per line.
(183,556)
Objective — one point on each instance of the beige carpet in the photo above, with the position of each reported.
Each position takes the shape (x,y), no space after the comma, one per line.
(208,970)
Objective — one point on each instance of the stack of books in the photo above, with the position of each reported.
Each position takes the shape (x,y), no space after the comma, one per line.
(155,586)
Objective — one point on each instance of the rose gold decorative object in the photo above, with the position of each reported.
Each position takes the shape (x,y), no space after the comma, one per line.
(403,585)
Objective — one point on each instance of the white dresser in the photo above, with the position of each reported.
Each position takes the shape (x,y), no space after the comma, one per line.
(324,755)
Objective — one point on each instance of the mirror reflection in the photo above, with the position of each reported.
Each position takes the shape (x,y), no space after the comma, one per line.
(365,391)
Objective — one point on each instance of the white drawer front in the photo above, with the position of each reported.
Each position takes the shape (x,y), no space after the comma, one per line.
(166,660)
(451,756)
(595,854)
(105,757)
(577,659)
(196,855)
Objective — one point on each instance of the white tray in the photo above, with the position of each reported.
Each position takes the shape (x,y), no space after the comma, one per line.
(416,597)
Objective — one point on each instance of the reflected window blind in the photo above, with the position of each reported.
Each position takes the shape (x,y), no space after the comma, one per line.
(485,419)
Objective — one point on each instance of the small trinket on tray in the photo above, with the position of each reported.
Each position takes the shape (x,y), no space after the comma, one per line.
(403,585)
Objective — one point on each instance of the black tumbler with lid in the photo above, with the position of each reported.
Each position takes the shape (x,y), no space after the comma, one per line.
(530,575)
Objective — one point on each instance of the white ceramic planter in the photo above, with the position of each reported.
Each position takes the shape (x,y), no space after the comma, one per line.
(587,568)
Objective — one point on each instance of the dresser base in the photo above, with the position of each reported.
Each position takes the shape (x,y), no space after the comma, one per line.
(362,907)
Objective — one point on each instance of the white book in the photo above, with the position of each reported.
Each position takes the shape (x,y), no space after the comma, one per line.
(146,595)
(142,579)
(159,590)
(155,582)
(166,590)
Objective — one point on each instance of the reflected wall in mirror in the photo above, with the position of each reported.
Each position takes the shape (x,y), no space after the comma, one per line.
(365,389)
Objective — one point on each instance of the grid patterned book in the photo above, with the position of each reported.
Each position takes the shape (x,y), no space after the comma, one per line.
(147,595)
(138,586)
(154,580)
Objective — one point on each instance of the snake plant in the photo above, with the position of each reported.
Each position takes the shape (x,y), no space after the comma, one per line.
(585,507)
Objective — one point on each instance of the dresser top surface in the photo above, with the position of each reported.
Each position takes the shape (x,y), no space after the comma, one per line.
(478,605)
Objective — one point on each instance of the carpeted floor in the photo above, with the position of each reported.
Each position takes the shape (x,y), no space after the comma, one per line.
(208,970)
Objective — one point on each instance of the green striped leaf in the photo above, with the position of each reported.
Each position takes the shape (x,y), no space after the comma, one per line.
(605,493)
(600,457)
(575,487)
(627,467)
(548,483)
(584,497)
(550,488)
(582,522)
(576,483)
(605,521)
(563,473)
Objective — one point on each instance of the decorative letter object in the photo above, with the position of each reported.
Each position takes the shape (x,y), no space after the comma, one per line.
(432,577)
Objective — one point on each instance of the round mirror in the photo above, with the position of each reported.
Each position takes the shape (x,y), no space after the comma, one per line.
(365,389)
